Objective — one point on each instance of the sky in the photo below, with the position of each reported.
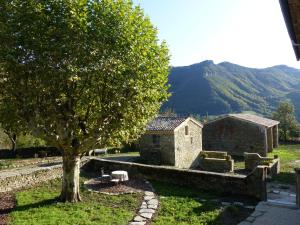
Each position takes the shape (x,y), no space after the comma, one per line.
(250,33)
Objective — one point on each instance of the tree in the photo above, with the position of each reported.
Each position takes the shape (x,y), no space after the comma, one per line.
(10,123)
(81,73)
(285,114)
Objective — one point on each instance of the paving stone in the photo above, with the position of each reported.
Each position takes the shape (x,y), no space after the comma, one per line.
(143,207)
(153,202)
(225,203)
(147,211)
(249,207)
(139,219)
(149,193)
(147,198)
(276,191)
(238,203)
(137,223)
(250,219)
(146,215)
(152,206)
(245,223)
(262,207)
(256,213)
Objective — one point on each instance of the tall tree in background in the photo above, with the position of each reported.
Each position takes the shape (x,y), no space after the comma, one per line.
(285,114)
(80,73)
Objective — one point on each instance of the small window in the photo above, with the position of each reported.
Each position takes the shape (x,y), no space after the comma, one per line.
(156,140)
(192,141)
(186,128)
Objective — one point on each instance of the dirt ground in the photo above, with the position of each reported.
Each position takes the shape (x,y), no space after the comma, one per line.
(7,203)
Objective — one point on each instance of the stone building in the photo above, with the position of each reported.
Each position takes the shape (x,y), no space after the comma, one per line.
(239,133)
(174,141)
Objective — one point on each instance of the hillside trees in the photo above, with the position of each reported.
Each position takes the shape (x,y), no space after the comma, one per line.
(80,73)
(289,126)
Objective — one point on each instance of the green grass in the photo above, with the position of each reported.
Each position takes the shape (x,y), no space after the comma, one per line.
(38,206)
(288,155)
(181,206)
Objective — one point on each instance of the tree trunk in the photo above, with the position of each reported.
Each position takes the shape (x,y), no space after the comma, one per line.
(285,135)
(13,142)
(70,181)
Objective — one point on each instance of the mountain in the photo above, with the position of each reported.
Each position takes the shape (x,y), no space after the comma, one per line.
(209,88)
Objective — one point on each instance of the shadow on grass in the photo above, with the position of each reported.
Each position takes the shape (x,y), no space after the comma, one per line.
(285,178)
(232,215)
(170,190)
(43,203)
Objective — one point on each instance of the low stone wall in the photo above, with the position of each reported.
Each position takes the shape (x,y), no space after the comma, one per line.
(11,181)
(253,185)
(252,160)
(216,161)
(15,179)
(214,154)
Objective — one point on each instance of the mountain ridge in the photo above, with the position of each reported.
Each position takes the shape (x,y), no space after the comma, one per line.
(225,87)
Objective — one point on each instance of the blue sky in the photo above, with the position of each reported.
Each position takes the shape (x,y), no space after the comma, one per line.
(247,32)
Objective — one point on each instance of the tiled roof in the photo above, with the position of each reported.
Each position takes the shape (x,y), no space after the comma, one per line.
(165,123)
(256,119)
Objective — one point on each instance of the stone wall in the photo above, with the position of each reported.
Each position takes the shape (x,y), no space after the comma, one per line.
(16,180)
(188,147)
(235,137)
(252,185)
(157,154)
(216,162)
(252,160)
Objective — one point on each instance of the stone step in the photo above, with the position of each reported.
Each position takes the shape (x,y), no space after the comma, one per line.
(282,203)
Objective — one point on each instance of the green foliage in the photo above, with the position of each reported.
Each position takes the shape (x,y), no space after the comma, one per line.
(4,140)
(27,140)
(227,88)
(81,73)
(5,164)
(289,126)
(38,205)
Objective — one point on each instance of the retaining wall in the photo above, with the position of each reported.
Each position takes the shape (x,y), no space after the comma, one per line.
(10,181)
(252,185)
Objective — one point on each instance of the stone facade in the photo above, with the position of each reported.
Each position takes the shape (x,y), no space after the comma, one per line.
(188,146)
(178,147)
(237,136)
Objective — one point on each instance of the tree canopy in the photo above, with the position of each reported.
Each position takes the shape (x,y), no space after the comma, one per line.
(285,114)
(80,73)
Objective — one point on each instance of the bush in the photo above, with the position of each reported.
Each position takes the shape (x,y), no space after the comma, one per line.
(27,141)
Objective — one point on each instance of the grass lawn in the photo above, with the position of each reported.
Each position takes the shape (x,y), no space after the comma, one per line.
(38,206)
(288,154)
(186,206)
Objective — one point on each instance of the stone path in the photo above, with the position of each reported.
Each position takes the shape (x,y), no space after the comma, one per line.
(147,209)
(279,209)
